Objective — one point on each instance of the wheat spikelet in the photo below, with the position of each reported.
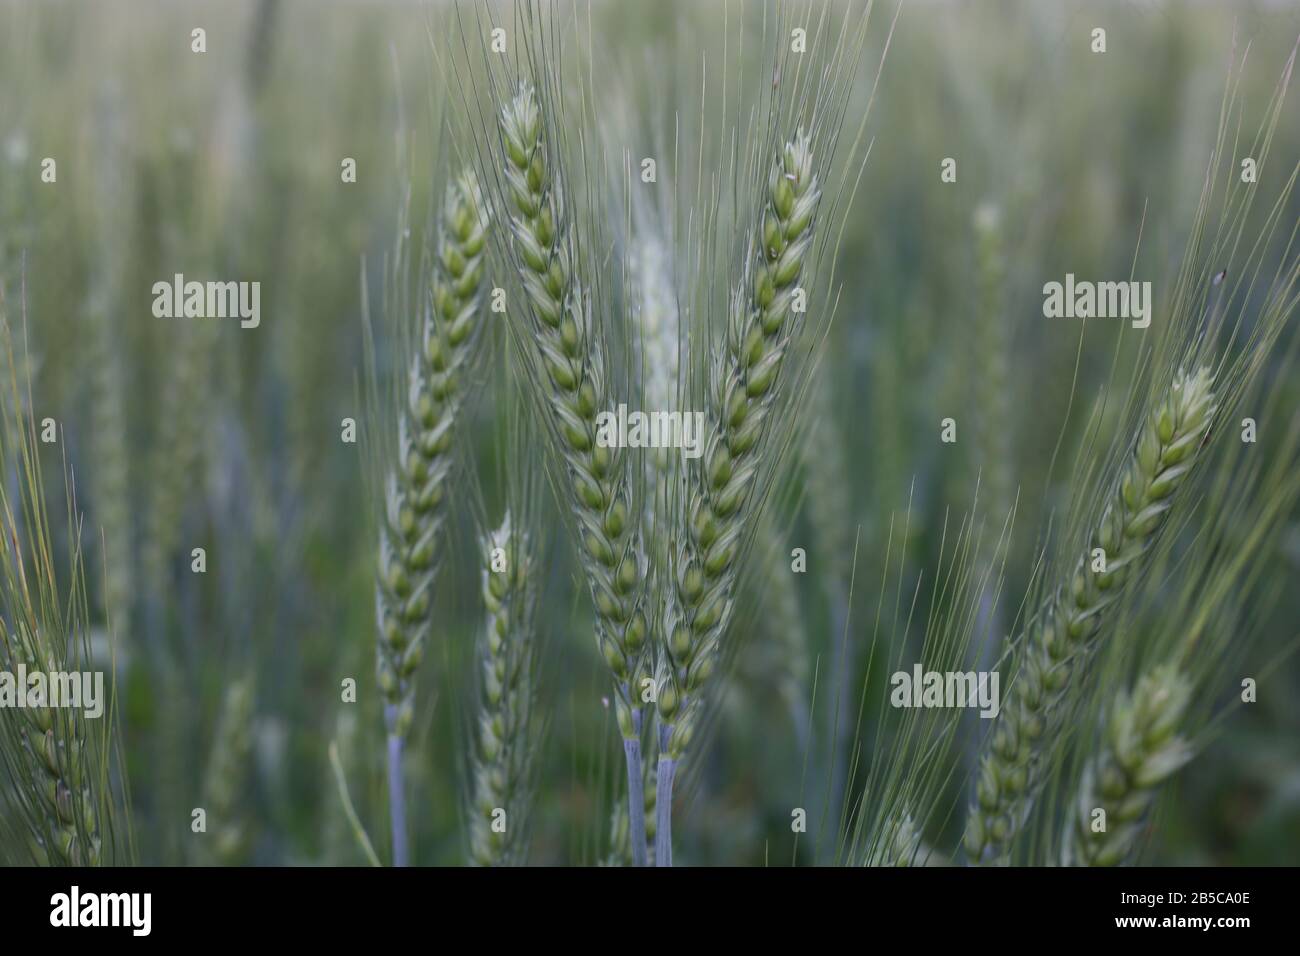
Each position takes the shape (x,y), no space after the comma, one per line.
(1058,639)
(1142,749)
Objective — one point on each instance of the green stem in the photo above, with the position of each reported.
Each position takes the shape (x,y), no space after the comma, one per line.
(635,798)
(664,811)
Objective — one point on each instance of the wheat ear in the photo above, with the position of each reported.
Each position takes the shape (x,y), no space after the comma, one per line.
(1142,749)
(57,801)
(111,480)
(409,546)
(226,840)
(1066,627)
(762,323)
(900,844)
(54,784)
(576,391)
(506,731)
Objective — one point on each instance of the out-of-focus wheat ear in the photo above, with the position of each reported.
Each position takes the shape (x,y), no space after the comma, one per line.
(786,663)
(830,510)
(574,382)
(990,373)
(745,387)
(177,452)
(901,843)
(1062,634)
(226,841)
(111,476)
(506,734)
(420,481)
(1142,750)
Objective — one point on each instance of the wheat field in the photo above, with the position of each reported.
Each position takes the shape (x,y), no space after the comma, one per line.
(745,433)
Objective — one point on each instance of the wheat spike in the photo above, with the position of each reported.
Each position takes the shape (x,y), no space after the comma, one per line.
(1142,750)
(1066,627)
(572,362)
(418,486)
(762,325)
(506,730)
(226,840)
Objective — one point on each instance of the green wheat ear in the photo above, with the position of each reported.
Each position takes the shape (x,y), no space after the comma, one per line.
(506,736)
(1142,750)
(410,549)
(59,802)
(745,388)
(577,391)
(1059,639)
(227,839)
(762,324)
(573,383)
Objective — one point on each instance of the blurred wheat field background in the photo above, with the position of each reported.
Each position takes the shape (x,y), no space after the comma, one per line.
(231,685)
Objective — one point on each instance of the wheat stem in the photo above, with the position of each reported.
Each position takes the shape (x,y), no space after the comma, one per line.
(1067,626)
(664,801)
(350,813)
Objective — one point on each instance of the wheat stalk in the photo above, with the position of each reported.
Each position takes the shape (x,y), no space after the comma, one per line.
(1142,749)
(762,323)
(1058,640)
(506,730)
(418,487)
(576,390)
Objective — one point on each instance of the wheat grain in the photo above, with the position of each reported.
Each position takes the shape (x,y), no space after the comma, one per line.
(1142,749)
(1058,640)
(418,487)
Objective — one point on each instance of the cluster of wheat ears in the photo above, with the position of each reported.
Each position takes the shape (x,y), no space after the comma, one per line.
(609,294)
(663,541)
